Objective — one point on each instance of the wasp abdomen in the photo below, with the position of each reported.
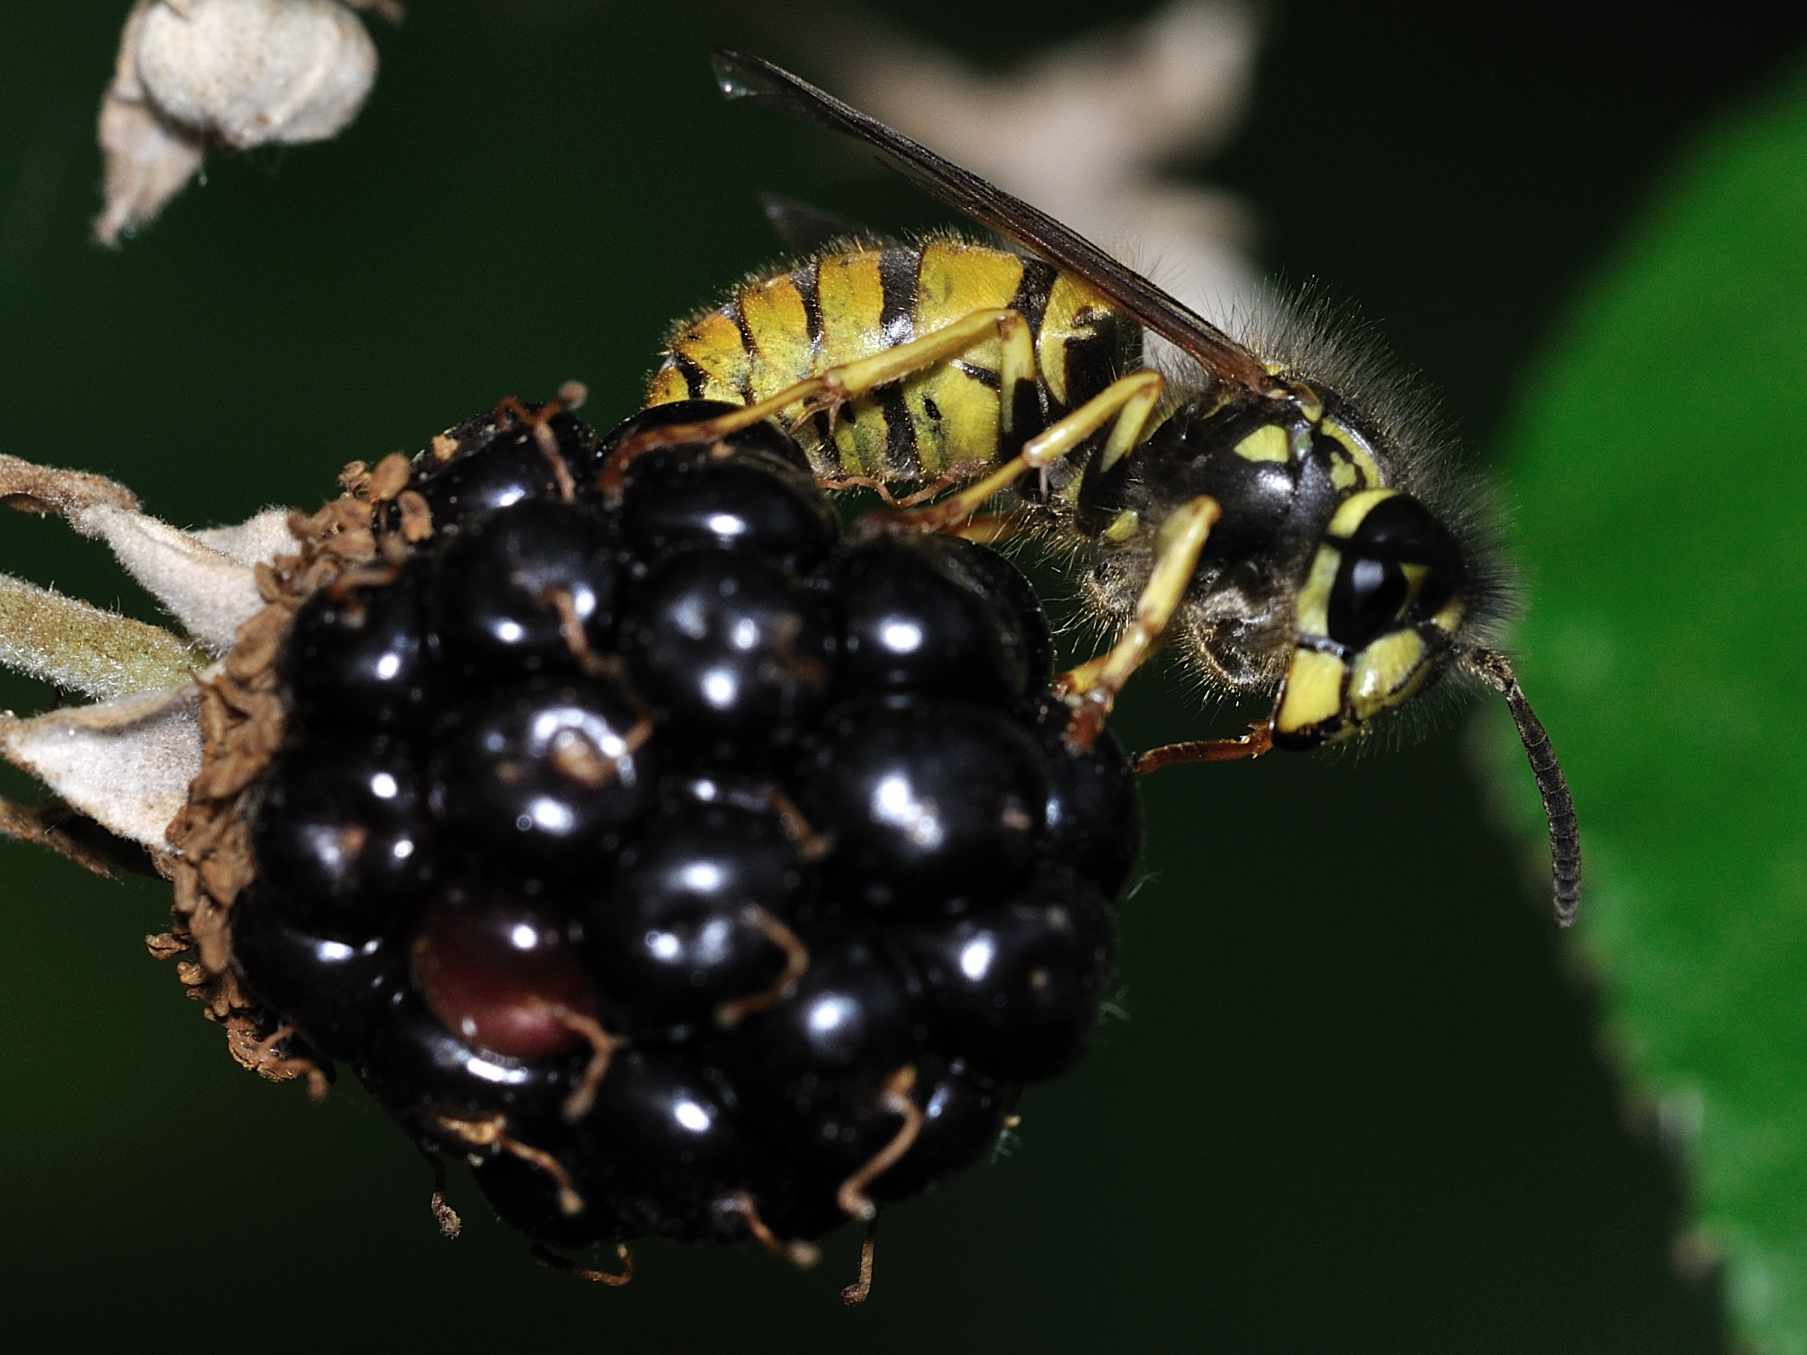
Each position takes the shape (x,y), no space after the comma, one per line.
(845,305)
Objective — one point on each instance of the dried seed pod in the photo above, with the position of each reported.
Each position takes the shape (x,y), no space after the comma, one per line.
(256,72)
(239,73)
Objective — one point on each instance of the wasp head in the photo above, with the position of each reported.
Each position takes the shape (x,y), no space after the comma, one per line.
(1378,618)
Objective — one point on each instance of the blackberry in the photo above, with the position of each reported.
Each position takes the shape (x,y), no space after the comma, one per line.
(546,773)
(362,650)
(918,616)
(334,990)
(731,652)
(505,976)
(683,926)
(1016,986)
(512,585)
(494,460)
(692,872)
(339,836)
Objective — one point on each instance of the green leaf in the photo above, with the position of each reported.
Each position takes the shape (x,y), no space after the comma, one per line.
(1661,455)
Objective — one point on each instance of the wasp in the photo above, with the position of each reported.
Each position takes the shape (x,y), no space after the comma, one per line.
(1294,538)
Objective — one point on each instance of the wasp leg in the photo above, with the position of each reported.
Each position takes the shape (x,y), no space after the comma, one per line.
(991,529)
(959,475)
(837,385)
(1253,744)
(1178,545)
(1127,405)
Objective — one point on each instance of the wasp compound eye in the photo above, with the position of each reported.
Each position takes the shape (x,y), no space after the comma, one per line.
(1367,599)
(1399,566)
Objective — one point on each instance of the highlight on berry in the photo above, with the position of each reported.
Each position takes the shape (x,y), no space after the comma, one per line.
(1275,509)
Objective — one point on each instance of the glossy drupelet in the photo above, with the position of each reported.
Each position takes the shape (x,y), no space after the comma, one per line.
(692,871)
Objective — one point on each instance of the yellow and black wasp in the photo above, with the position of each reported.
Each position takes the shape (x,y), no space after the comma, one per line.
(1294,537)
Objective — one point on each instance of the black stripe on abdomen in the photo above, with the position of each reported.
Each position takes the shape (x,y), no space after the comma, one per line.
(695,378)
(899,277)
(1031,299)
(898,271)
(808,280)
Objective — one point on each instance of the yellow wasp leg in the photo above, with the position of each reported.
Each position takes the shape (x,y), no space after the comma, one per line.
(849,380)
(991,529)
(1178,546)
(1129,401)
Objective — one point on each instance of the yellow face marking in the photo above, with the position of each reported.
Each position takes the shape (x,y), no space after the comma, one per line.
(1311,404)
(1449,618)
(1314,691)
(1312,615)
(1067,299)
(774,316)
(1352,510)
(1415,577)
(1386,673)
(1359,452)
(1123,526)
(1343,473)
(1269,442)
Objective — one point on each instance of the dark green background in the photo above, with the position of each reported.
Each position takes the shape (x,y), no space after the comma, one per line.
(1357,1104)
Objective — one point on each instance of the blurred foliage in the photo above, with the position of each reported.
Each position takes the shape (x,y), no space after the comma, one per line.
(1657,441)
(1357,1104)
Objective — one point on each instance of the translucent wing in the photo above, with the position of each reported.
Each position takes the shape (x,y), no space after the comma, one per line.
(749,77)
(807,228)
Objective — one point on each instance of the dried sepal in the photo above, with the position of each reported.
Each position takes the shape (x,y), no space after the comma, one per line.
(70,836)
(126,764)
(208,591)
(82,648)
(254,541)
(31,488)
(207,579)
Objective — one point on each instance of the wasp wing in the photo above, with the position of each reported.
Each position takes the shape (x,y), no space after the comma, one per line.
(807,228)
(741,76)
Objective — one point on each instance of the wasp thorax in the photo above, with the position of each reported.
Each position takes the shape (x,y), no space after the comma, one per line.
(1377,618)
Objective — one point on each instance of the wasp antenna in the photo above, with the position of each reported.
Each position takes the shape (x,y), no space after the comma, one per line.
(1495,669)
